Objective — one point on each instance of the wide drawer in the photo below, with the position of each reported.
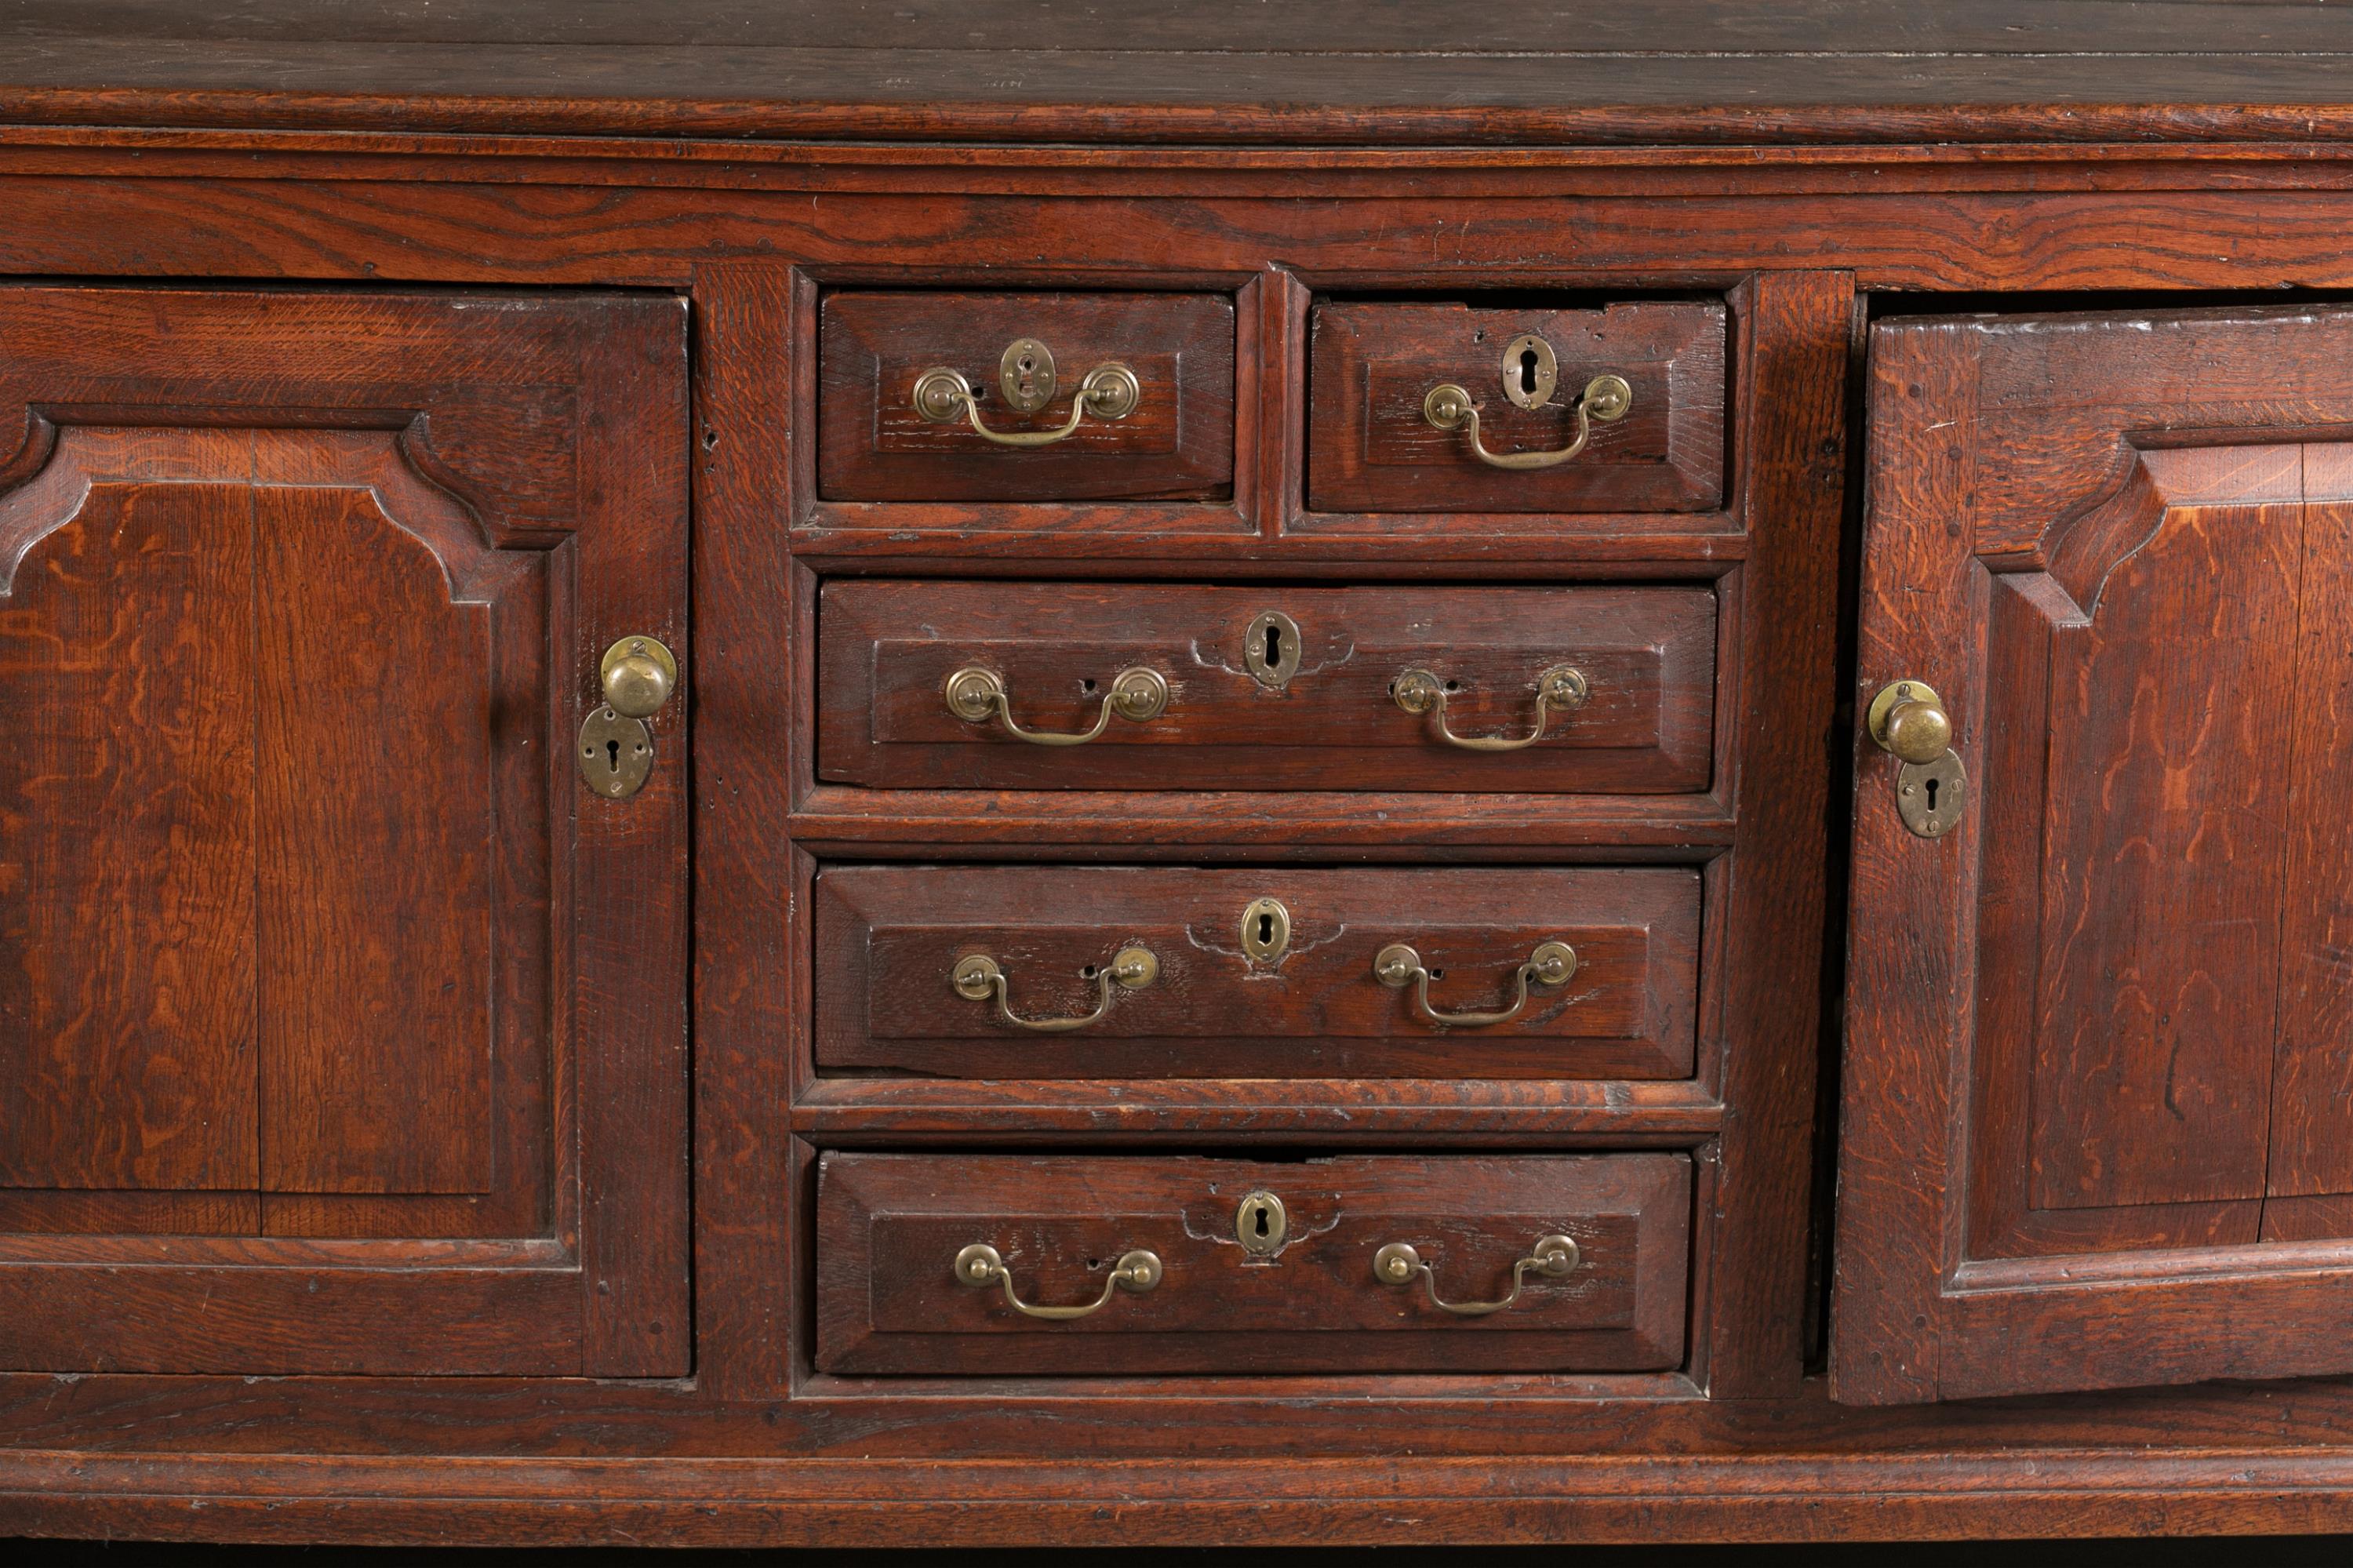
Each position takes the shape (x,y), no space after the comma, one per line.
(1345,1269)
(986,971)
(935,686)
(1139,386)
(1637,390)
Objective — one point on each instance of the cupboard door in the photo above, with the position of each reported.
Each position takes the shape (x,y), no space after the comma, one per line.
(2098,1124)
(342,1028)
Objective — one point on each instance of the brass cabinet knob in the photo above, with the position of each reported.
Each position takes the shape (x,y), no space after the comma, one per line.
(1908,721)
(639,675)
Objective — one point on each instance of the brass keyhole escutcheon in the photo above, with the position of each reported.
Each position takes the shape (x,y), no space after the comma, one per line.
(1025,374)
(1271,648)
(1266,930)
(1531,372)
(1260,1223)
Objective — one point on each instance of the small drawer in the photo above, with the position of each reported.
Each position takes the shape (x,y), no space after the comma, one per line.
(1392,1263)
(1026,397)
(996,971)
(1383,436)
(986,685)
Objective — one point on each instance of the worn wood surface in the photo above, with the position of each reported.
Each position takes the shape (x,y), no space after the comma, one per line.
(2120,901)
(890,1226)
(888,648)
(256,586)
(1521,70)
(888,937)
(1177,443)
(1370,448)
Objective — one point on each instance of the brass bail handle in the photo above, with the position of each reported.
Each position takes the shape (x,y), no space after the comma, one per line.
(1561,689)
(1448,406)
(1398,966)
(977,977)
(976,695)
(1397,1263)
(1137,1271)
(1026,379)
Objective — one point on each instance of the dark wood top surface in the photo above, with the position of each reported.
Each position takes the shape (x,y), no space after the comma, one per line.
(1398,71)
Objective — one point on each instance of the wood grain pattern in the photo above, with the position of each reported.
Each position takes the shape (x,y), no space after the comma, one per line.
(888,1226)
(888,937)
(1177,443)
(2130,880)
(1371,450)
(126,1009)
(362,673)
(889,648)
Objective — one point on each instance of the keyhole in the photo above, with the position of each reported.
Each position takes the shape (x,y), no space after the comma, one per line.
(1262,1220)
(1932,796)
(1528,371)
(1273,645)
(613,755)
(1265,940)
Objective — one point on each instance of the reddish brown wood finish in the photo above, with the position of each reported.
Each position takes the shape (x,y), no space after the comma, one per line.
(1370,448)
(292,578)
(1177,443)
(888,937)
(890,1226)
(2129,905)
(1845,150)
(888,650)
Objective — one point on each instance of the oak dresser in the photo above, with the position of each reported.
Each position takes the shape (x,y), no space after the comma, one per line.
(1024,772)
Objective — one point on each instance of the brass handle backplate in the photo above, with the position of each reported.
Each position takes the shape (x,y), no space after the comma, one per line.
(977,977)
(1907,720)
(1136,1271)
(976,695)
(615,748)
(1561,689)
(1026,377)
(1448,406)
(1399,1263)
(1398,966)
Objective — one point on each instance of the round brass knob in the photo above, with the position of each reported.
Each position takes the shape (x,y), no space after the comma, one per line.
(639,675)
(1908,721)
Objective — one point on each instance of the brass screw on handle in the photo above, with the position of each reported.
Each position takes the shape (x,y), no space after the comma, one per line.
(1907,720)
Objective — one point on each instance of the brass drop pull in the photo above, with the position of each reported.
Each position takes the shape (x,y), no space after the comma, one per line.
(1025,375)
(976,695)
(1907,720)
(1448,406)
(1398,966)
(637,675)
(1399,1263)
(1561,689)
(1137,1271)
(976,977)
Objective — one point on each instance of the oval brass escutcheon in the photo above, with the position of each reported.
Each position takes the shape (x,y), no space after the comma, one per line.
(1266,930)
(1025,374)
(1929,795)
(1271,648)
(1261,1222)
(1530,371)
(616,753)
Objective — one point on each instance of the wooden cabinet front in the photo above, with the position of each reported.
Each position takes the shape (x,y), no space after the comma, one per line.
(1585,972)
(2099,1088)
(326,989)
(1379,1262)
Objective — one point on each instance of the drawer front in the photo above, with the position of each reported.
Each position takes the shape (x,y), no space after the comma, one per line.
(902,1288)
(1373,446)
(1029,362)
(1265,688)
(1239,987)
